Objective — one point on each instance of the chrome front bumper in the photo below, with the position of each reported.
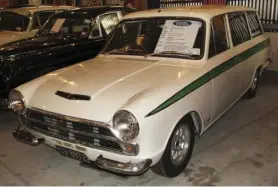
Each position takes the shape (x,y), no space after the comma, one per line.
(123,168)
(25,136)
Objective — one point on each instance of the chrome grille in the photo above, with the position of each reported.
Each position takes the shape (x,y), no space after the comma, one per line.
(75,131)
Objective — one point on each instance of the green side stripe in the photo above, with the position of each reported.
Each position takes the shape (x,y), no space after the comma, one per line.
(211,75)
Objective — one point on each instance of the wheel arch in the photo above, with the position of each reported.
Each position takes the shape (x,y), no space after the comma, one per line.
(196,120)
(260,70)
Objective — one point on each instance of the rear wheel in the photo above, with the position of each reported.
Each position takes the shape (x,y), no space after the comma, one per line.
(178,151)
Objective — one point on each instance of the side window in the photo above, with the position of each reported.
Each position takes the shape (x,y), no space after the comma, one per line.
(109,21)
(239,28)
(220,34)
(254,24)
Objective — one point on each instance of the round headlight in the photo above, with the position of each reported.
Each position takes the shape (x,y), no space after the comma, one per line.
(17,102)
(126,124)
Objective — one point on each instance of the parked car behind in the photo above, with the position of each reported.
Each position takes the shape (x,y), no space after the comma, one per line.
(68,37)
(19,22)
(163,77)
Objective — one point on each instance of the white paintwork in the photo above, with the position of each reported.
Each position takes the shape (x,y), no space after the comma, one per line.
(139,85)
(10,36)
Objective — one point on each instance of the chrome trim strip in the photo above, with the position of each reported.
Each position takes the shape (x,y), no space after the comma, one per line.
(123,144)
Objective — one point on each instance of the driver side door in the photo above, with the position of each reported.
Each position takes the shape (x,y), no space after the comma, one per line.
(226,80)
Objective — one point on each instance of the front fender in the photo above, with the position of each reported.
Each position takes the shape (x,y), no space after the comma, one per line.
(29,88)
(156,129)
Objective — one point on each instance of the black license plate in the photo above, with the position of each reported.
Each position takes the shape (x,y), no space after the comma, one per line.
(73,154)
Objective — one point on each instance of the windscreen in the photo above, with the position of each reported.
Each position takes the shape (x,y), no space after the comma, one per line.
(13,22)
(169,37)
(75,26)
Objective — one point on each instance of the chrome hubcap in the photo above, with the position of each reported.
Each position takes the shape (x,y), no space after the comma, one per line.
(180,144)
(255,82)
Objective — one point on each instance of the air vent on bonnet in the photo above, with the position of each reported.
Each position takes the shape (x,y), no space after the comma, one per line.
(73,96)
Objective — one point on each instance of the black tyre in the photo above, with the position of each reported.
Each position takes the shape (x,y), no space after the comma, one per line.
(178,151)
(254,87)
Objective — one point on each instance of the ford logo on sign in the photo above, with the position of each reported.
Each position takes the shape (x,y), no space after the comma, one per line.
(182,23)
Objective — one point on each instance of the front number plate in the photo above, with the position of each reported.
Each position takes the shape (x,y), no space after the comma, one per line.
(73,154)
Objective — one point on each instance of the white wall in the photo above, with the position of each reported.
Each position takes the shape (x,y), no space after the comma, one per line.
(35,2)
(274,51)
(119,2)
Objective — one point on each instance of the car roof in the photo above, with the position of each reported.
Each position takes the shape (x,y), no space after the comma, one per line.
(94,11)
(29,10)
(205,12)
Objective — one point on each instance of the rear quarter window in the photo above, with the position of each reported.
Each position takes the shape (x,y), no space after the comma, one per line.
(239,28)
(254,24)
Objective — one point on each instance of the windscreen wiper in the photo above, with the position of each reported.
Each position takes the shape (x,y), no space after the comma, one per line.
(122,50)
(189,56)
(114,51)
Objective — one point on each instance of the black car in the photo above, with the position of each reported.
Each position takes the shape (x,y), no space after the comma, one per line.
(67,38)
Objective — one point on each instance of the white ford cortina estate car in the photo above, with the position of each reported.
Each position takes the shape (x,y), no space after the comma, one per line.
(163,77)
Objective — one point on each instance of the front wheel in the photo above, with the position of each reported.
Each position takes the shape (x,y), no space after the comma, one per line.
(177,153)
